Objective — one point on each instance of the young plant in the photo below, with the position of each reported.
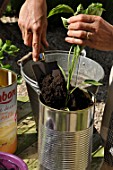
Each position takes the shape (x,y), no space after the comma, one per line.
(93,9)
(8,49)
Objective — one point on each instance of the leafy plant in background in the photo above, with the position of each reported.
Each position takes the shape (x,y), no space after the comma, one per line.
(93,9)
(7,49)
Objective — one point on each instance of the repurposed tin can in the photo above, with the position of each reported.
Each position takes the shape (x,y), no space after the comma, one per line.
(8,111)
(65,138)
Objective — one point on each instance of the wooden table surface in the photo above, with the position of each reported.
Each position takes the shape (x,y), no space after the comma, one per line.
(28,139)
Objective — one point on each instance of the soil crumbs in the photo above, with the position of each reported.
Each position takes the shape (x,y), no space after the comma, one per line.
(9,30)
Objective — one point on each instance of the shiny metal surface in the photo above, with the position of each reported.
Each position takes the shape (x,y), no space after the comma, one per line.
(89,69)
(65,138)
(7,77)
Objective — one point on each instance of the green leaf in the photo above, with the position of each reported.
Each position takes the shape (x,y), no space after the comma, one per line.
(62,8)
(13,48)
(19,79)
(4,47)
(23,98)
(66,109)
(92,82)
(73,90)
(9,52)
(94,9)
(7,66)
(65,23)
(8,42)
(80,10)
(1,43)
(62,71)
(99,152)
(1,55)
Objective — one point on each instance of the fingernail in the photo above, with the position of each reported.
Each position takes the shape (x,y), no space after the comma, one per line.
(66,38)
(35,59)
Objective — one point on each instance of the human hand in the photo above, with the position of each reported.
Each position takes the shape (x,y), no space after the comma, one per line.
(33,25)
(90,30)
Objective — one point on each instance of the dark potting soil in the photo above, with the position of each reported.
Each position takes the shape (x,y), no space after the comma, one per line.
(53,93)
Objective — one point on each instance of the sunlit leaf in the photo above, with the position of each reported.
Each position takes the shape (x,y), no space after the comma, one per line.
(4,47)
(23,98)
(99,152)
(62,8)
(94,9)
(65,23)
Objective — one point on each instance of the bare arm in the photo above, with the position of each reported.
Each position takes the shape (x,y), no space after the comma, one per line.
(33,25)
(90,30)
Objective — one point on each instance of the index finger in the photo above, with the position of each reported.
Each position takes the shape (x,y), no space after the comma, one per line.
(82,18)
(35,46)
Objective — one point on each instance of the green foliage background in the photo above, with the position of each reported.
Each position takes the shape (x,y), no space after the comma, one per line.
(15,5)
(107,4)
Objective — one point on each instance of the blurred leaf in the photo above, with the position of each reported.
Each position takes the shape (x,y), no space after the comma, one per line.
(1,43)
(99,152)
(7,66)
(80,10)
(94,9)
(65,23)
(8,42)
(92,82)
(13,48)
(62,8)
(23,98)
(4,47)
(62,71)
(19,79)
(1,55)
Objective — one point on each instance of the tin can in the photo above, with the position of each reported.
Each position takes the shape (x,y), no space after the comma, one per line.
(65,138)
(8,111)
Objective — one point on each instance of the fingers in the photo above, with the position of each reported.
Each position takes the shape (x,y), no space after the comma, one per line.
(36,46)
(81,26)
(77,34)
(80,37)
(82,18)
(81,29)
(28,38)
